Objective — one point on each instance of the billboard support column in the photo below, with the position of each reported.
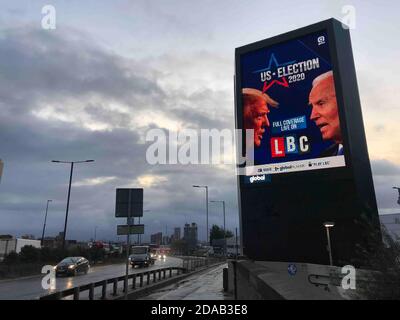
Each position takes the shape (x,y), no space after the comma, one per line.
(128,245)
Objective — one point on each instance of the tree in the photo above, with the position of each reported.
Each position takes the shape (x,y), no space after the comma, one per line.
(217,232)
(382,280)
(96,254)
(29,254)
(180,246)
(11,258)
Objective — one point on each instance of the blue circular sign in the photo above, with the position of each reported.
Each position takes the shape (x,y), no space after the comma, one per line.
(292,269)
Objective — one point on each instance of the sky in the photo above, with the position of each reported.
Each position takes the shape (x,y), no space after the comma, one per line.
(110,71)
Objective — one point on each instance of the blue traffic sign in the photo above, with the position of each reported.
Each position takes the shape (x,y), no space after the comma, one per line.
(292,269)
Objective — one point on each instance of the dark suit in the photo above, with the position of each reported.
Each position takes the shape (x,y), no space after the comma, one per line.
(330,151)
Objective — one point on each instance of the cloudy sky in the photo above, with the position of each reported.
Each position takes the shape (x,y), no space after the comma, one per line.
(91,88)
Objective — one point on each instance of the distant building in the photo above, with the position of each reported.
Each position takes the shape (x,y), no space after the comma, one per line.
(50,242)
(166,240)
(177,233)
(392,224)
(233,246)
(156,238)
(8,245)
(56,242)
(218,246)
(190,235)
(28,236)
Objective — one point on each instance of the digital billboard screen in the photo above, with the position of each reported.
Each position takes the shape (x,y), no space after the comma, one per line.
(288,99)
(305,159)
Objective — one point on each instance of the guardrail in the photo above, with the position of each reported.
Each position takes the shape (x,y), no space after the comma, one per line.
(192,263)
(144,278)
(135,280)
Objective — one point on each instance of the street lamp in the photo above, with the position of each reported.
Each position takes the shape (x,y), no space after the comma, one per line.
(69,192)
(206,187)
(223,208)
(328,225)
(45,219)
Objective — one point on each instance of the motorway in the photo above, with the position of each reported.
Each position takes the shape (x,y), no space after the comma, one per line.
(31,287)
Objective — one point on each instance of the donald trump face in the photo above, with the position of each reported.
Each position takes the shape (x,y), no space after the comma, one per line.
(255,111)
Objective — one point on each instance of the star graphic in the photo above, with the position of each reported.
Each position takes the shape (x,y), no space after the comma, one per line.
(272,61)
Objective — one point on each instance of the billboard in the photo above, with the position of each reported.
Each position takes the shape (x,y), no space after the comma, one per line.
(129,202)
(133,229)
(309,163)
(289,100)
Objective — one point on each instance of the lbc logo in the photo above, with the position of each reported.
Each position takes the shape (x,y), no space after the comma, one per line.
(281,146)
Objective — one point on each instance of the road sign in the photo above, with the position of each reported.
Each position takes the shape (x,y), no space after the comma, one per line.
(134,229)
(129,199)
(292,269)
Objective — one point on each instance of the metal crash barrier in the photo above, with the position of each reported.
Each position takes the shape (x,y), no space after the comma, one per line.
(136,280)
(110,287)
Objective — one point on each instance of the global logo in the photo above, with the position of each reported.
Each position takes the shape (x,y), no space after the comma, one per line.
(257,178)
(321,40)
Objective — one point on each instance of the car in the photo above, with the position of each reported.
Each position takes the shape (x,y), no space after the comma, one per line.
(162,256)
(141,257)
(71,266)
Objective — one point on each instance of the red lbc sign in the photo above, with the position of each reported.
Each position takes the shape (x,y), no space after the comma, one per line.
(282,146)
(277,147)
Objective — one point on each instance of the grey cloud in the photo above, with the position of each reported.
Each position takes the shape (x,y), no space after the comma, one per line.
(385,168)
(386,174)
(104,114)
(39,67)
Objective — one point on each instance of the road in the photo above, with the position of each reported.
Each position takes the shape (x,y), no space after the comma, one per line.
(31,288)
(206,285)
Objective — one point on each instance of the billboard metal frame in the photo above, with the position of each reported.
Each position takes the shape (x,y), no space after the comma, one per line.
(357,171)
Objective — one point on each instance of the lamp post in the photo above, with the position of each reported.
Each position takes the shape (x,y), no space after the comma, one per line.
(328,225)
(95,233)
(69,193)
(206,187)
(45,219)
(223,210)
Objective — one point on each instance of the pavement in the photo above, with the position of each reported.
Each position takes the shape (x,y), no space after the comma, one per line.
(30,288)
(305,281)
(205,285)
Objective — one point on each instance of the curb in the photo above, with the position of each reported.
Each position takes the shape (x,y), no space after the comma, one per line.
(22,278)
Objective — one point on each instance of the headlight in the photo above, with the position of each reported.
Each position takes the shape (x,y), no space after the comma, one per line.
(71,267)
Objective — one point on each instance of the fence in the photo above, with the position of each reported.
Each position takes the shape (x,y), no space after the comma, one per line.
(137,280)
(192,263)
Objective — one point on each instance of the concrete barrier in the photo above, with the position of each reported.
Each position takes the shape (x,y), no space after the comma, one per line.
(263,280)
